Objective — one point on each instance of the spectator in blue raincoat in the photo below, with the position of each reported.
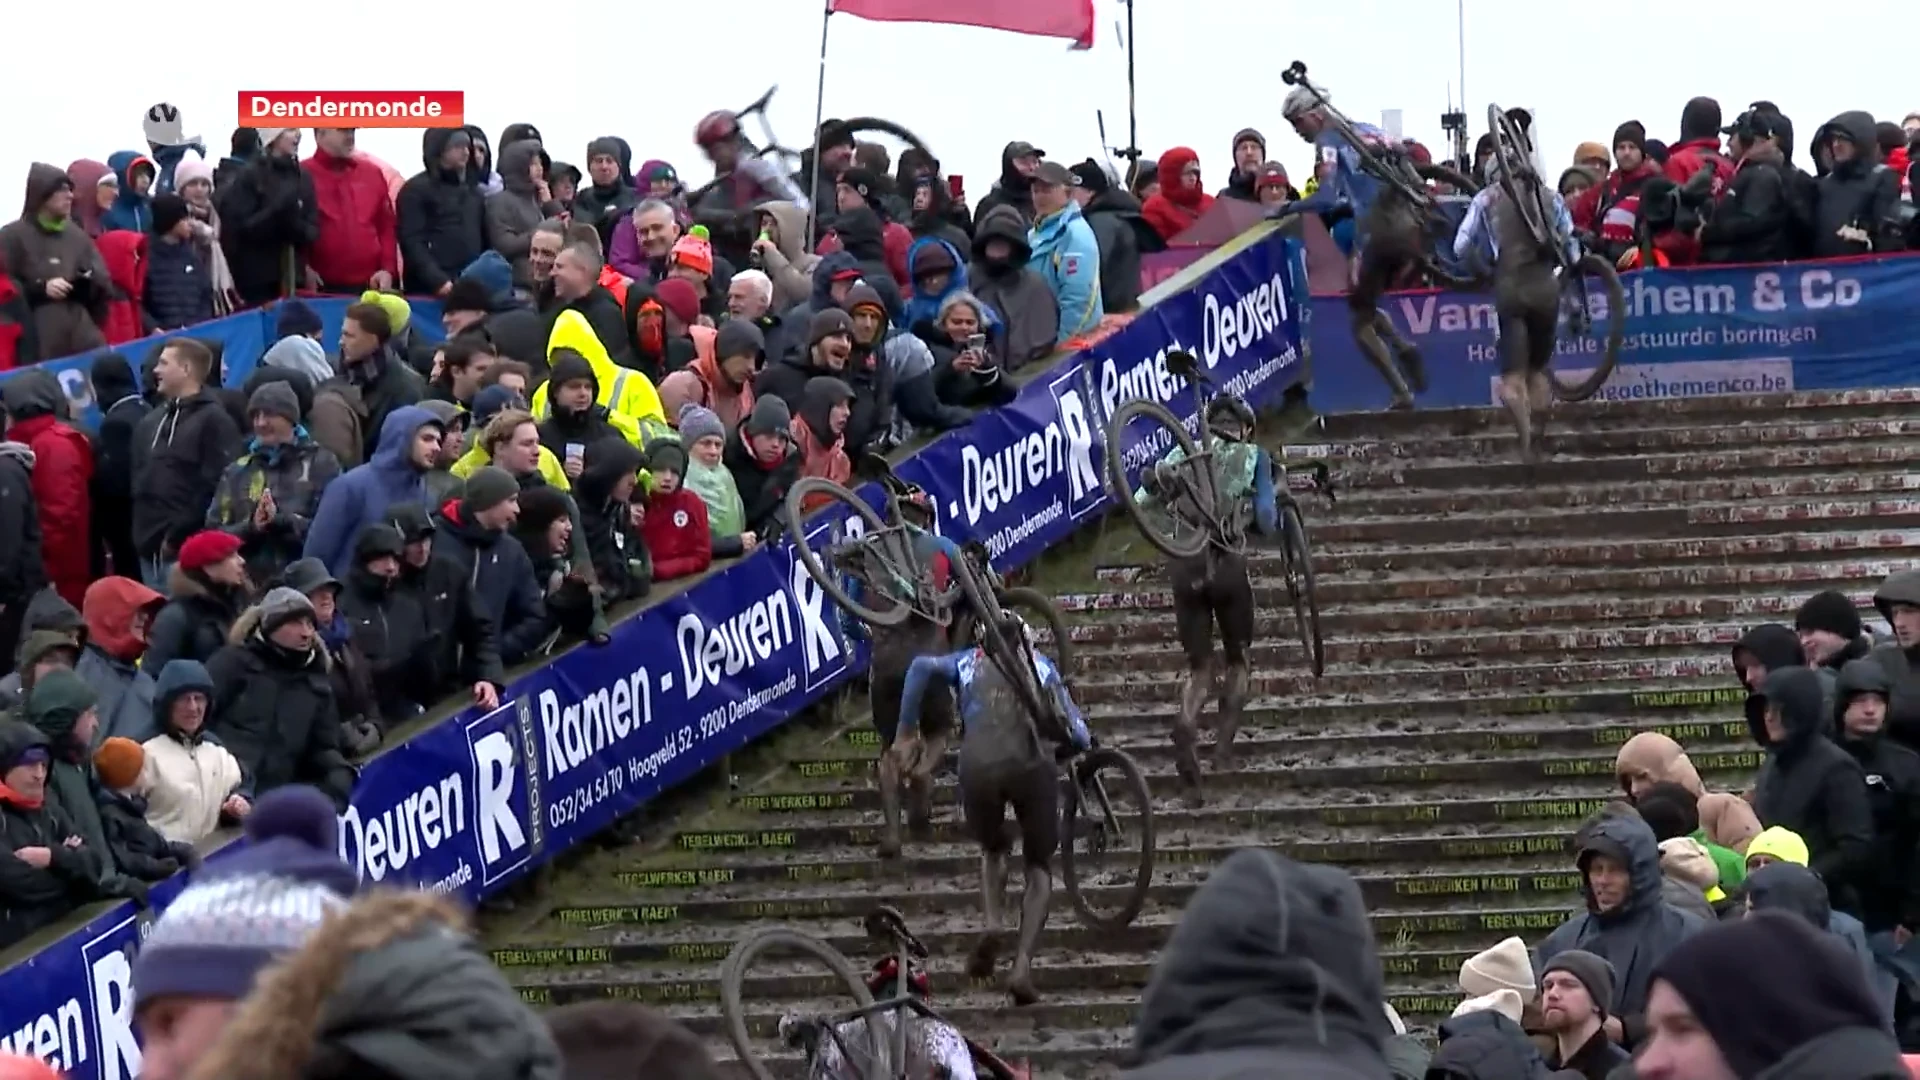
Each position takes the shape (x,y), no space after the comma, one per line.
(938,270)
(1064,252)
(132,209)
(395,475)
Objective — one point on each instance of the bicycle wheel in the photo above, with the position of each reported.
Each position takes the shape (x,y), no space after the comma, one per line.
(1589,267)
(1518,179)
(1172,529)
(1452,177)
(1300,587)
(733,977)
(826,576)
(1035,606)
(1108,855)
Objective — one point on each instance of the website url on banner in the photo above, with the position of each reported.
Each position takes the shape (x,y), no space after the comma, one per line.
(356,108)
(1685,379)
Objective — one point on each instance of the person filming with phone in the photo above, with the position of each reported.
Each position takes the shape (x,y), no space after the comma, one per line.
(967,342)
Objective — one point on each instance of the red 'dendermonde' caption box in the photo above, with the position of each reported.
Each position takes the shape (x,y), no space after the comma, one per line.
(353,109)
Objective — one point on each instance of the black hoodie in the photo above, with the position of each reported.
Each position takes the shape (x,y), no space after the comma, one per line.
(1811,786)
(763,487)
(1485,1045)
(117,395)
(463,647)
(563,426)
(1114,217)
(442,220)
(1023,298)
(1861,193)
(1012,190)
(620,558)
(1891,894)
(1271,972)
(1903,709)
(180,451)
(268,219)
(389,625)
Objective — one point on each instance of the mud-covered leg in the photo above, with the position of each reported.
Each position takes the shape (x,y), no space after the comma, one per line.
(1515,345)
(1186,726)
(1405,353)
(1033,919)
(920,787)
(1233,701)
(1539,404)
(1366,336)
(1233,606)
(889,770)
(993,892)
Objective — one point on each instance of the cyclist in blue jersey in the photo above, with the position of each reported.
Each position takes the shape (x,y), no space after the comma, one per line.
(894,648)
(1387,240)
(1213,586)
(1002,764)
(1526,290)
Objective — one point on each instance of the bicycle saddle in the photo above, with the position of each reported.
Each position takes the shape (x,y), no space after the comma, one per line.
(886,924)
(1185,365)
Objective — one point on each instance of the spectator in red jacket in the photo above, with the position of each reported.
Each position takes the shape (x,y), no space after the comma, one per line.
(125,253)
(675,526)
(356,250)
(1699,146)
(1182,199)
(17,346)
(1608,210)
(62,473)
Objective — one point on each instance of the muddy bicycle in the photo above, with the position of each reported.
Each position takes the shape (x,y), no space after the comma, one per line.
(1522,185)
(881,554)
(1401,176)
(870,1040)
(1185,517)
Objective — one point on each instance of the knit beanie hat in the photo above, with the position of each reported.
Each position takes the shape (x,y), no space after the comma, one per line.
(467,294)
(1505,966)
(739,337)
(697,422)
(1768,984)
(1633,133)
(281,606)
(275,399)
(678,297)
(540,506)
(770,416)
(208,546)
(693,252)
(491,402)
(293,318)
(1830,610)
(1249,135)
(1505,1002)
(828,323)
(666,455)
(488,487)
(118,763)
(168,210)
(1594,972)
(246,911)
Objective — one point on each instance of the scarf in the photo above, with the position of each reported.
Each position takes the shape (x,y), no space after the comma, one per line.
(726,514)
(337,632)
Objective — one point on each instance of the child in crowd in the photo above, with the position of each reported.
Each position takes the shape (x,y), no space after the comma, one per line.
(138,848)
(705,436)
(609,517)
(675,525)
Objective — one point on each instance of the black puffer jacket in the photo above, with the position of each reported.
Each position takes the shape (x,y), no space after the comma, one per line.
(32,897)
(502,578)
(389,625)
(442,220)
(462,648)
(1890,893)
(1811,786)
(274,711)
(1271,972)
(1114,216)
(601,207)
(763,487)
(194,623)
(180,451)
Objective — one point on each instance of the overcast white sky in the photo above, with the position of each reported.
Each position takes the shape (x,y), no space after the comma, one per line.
(1205,68)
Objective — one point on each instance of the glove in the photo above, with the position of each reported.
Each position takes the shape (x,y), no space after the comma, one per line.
(185,855)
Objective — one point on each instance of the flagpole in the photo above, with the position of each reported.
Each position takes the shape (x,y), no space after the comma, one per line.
(819,118)
(1133,114)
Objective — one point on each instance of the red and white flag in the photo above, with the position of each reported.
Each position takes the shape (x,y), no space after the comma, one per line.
(1070,19)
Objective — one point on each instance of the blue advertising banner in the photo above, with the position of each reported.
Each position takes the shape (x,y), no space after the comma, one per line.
(1689,333)
(471,804)
(243,339)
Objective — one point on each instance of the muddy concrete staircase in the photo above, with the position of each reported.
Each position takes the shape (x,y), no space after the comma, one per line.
(1494,633)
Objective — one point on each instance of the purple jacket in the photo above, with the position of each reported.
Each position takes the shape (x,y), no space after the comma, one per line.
(623,251)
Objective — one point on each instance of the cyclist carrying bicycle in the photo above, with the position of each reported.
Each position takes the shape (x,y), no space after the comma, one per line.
(742,181)
(894,649)
(931,1044)
(1526,288)
(1213,586)
(1002,765)
(1387,241)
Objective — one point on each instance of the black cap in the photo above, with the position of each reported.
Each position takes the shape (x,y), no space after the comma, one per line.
(1020,148)
(1089,175)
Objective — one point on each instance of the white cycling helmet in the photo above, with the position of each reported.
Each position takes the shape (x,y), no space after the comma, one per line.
(1301,100)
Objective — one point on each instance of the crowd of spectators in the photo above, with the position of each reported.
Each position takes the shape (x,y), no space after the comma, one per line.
(203,596)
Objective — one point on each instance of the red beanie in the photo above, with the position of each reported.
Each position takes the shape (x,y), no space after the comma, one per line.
(677,296)
(207,547)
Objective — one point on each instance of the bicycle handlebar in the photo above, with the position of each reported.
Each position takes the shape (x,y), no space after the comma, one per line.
(759,106)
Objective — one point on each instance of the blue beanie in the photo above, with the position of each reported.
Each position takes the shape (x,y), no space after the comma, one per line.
(491,402)
(293,318)
(244,912)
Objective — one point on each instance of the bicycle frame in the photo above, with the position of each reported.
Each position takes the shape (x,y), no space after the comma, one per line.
(1390,174)
(900,1004)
